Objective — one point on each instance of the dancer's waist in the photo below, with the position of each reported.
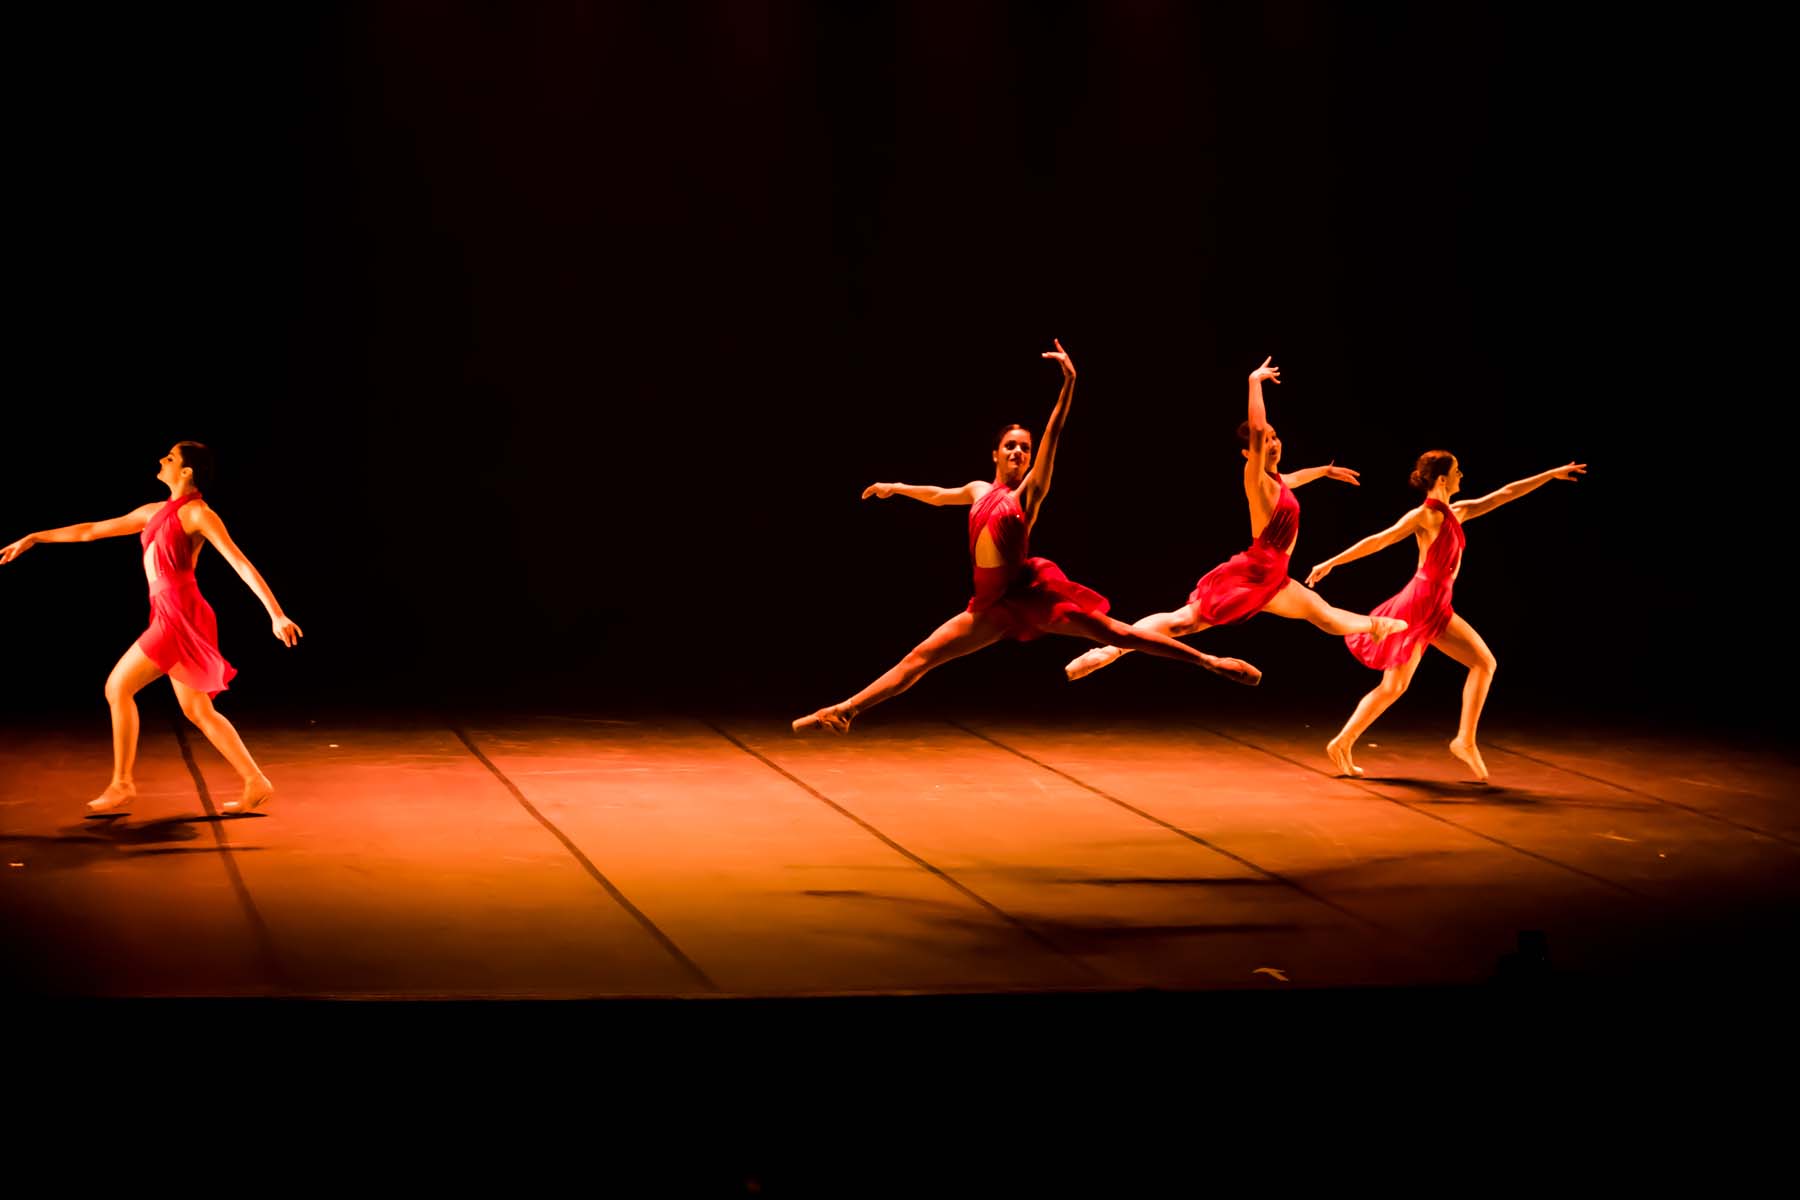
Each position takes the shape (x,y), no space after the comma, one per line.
(173,581)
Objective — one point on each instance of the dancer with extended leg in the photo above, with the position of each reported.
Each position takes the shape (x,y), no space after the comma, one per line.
(182,641)
(1015,596)
(1256,580)
(1424,603)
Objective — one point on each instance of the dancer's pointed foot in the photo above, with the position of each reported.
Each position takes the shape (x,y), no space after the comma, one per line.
(257,792)
(116,796)
(1470,756)
(1338,751)
(1234,669)
(835,718)
(1093,660)
(1381,627)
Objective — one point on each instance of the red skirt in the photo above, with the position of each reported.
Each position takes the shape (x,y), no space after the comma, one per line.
(183,638)
(1240,587)
(1424,604)
(1036,598)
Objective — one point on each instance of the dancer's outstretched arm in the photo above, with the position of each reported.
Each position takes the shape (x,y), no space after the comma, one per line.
(1468,510)
(1306,475)
(88,531)
(208,525)
(1369,545)
(968,493)
(1037,480)
(1257,465)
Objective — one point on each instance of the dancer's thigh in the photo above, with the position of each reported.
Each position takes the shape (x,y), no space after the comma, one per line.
(132,673)
(1460,641)
(962,634)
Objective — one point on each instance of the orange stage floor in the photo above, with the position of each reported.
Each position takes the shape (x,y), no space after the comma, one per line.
(565,857)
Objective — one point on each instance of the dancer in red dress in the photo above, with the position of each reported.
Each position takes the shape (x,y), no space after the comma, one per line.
(1016,596)
(182,641)
(1257,579)
(1424,603)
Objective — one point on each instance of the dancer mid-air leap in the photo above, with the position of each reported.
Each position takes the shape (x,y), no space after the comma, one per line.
(1256,580)
(1015,596)
(183,639)
(1436,525)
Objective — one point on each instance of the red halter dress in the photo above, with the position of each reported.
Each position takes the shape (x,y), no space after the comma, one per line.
(1027,595)
(183,638)
(1424,603)
(1243,585)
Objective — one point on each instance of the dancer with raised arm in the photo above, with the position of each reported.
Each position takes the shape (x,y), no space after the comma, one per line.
(1016,596)
(182,641)
(1424,603)
(1256,580)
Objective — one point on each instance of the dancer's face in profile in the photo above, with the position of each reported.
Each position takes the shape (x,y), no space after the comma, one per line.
(1454,476)
(1272,443)
(1014,456)
(169,470)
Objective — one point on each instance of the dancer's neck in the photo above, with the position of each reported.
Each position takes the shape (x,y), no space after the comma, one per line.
(183,491)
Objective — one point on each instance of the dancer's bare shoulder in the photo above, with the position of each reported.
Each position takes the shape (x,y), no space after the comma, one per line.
(1262,492)
(1425,522)
(196,516)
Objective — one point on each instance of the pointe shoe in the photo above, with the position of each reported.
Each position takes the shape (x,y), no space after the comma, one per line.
(831,718)
(257,793)
(1383,627)
(113,799)
(1470,757)
(1086,664)
(1237,670)
(1340,758)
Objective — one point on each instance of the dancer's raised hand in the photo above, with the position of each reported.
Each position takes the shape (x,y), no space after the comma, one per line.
(19,547)
(1062,358)
(1317,573)
(881,491)
(1569,472)
(1266,371)
(286,632)
(1342,474)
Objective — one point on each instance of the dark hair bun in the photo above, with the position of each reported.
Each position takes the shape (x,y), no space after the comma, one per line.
(1432,466)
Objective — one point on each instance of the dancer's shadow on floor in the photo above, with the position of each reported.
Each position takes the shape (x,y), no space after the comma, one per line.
(1468,792)
(1456,789)
(107,837)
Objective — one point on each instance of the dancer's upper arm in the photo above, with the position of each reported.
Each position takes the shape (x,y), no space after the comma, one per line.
(208,524)
(1468,510)
(132,522)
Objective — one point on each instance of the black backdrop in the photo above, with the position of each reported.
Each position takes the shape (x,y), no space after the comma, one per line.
(546,348)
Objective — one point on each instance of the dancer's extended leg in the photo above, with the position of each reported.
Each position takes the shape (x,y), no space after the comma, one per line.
(962,634)
(1169,624)
(1299,602)
(1393,685)
(129,676)
(1460,641)
(1108,632)
(198,707)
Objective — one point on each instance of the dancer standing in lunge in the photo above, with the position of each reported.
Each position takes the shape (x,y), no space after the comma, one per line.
(182,641)
(1424,604)
(1256,580)
(1015,596)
